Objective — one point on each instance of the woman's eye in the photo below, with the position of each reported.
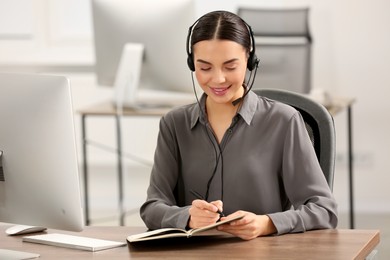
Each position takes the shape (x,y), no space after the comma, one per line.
(230,68)
(205,69)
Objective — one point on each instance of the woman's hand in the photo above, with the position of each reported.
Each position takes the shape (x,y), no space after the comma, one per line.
(203,213)
(250,226)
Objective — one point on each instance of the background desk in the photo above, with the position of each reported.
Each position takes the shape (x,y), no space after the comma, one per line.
(339,104)
(319,244)
(108,109)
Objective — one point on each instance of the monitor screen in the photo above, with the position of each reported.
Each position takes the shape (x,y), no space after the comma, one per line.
(161,26)
(39,180)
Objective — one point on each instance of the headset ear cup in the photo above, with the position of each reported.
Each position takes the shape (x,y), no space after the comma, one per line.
(190,63)
(252,61)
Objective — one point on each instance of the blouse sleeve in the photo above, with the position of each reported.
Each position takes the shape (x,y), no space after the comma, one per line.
(160,208)
(313,205)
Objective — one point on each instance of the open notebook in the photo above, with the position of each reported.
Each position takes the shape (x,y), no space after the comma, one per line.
(177,232)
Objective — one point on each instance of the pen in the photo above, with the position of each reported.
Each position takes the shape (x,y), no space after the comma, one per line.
(199,196)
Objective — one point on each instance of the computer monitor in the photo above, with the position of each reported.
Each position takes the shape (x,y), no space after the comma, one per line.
(39,180)
(160,26)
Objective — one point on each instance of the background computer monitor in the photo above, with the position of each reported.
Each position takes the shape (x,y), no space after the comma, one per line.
(162,26)
(39,180)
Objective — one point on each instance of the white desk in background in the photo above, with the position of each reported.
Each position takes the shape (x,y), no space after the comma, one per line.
(104,110)
(338,105)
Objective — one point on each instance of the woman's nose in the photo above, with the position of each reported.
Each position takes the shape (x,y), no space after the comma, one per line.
(218,76)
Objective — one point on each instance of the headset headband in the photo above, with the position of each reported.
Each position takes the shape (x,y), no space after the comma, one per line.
(252,59)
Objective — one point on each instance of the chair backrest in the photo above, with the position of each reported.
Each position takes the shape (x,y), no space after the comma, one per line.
(283,44)
(319,125)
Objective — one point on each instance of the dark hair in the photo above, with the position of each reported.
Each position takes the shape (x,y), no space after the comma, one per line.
(221,25)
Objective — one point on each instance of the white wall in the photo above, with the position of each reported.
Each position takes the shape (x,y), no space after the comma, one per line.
(351,57)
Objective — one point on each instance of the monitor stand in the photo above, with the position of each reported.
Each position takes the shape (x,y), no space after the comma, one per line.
(128,74)
(128,93)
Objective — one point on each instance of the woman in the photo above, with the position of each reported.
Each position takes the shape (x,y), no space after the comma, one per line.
(234,151)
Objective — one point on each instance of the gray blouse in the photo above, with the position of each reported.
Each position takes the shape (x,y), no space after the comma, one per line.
(265,164)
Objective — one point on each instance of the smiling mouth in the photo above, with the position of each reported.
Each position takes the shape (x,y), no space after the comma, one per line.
(220,91)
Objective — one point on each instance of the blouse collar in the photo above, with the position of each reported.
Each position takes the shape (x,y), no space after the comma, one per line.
(247,110)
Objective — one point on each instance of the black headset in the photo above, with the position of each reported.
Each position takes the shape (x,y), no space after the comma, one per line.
(252,64)
(253,61)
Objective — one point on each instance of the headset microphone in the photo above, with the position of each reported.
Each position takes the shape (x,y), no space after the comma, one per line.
(238,100)
(235,102)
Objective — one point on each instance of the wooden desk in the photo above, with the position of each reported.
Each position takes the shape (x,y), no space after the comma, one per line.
(320,244)
(108,109)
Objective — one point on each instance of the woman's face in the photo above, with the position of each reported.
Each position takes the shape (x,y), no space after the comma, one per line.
(220,67)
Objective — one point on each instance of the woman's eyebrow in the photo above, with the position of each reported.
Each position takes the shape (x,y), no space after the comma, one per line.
(226,62)
(203,61)
(230,61)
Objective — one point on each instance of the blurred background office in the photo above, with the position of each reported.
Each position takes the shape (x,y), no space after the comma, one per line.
(350,57)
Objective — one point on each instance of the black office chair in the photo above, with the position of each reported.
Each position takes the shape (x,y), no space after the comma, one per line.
(319,125)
